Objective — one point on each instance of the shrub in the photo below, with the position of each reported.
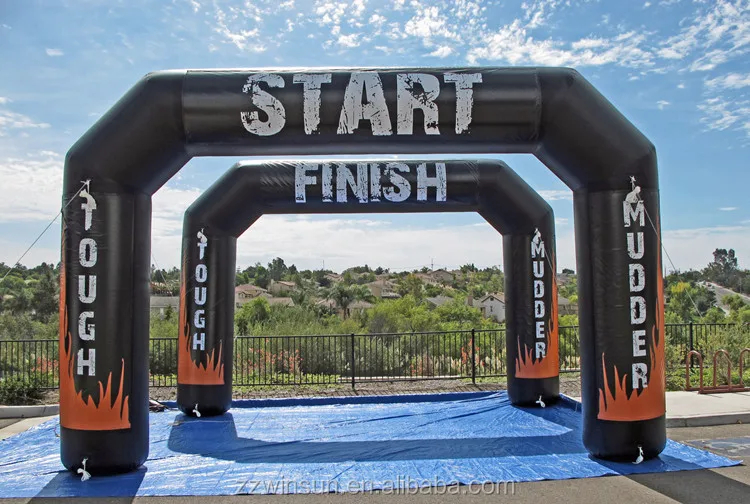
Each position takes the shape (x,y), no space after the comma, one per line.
(17,390)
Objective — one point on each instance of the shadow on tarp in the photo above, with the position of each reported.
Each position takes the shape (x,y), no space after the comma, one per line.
(68,483)
(217,438)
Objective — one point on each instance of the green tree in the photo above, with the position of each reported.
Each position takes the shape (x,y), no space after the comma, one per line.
(253,312)
(412,285)
(344,295)
(44,295)
(277,269)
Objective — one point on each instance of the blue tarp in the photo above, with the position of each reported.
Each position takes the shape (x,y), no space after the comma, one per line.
(339,444)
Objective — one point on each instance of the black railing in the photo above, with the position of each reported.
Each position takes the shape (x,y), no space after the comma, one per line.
(352,358)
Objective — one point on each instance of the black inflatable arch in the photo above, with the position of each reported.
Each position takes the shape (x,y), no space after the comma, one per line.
(169,117)
(250,189)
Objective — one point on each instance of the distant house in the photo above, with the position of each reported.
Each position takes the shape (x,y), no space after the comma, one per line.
(566,307)
(565,279)
(354,307)
(491,305)
(439,300)
(442,276)
(426,278)
(159,305)
(382,289)
(333,277)
(280,301)
(248,292)
(281,287)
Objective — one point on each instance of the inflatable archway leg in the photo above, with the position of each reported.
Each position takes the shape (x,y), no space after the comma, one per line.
(622,335)
(531,326)
(206,322)
(106,250)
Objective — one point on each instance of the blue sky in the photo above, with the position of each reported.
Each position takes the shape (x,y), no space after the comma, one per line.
(678,69)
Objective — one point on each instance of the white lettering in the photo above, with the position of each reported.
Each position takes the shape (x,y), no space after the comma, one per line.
(438,182)
(302,180)
(541,349)
(85,295)
(345,177)
(464,98)
(201,273)
(311,84)
(86,331)
(199,320)
(640,375)
(364,85)
(202,248)
(88,208)
(409,99)
(537,248)
(90,362)
(637,275)
(636,283)
(538,267)
(265,102)
(199,343)
(631,215)
(637,310)
(375,182)
(538,289)
(540,329)
(327,177)
(635,245)
(398,181)
(200,296)
(639,343)
(87,253)
(539,309)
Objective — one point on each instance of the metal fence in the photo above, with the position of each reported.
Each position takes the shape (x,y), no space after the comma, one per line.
(351,358)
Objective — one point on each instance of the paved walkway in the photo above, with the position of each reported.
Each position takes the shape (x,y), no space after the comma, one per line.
(690,409)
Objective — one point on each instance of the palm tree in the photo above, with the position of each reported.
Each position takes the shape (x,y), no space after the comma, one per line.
(344,295)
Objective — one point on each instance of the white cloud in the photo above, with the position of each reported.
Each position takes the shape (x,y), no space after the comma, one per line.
(556,194)
(429,23)
(349,41)
(513,44)
(693,248)
(346,242)
(4,100)
(54,52)
(13,121)
(728,208)
(721,113)
(729,81)
(442,52)
(662,104)
(31,188)
(717,33)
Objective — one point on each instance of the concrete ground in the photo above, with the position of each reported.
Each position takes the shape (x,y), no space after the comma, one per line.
(725,485)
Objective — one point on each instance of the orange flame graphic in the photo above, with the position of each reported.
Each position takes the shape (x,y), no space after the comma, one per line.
(75,411)
(549,365)
(190,372)
(650,402)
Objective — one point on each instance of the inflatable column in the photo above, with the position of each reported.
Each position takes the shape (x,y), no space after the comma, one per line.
(531,324)
(206,322)
(617,233)
(103,389)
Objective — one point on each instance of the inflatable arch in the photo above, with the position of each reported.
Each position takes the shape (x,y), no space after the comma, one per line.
(250,189)
(169,117)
